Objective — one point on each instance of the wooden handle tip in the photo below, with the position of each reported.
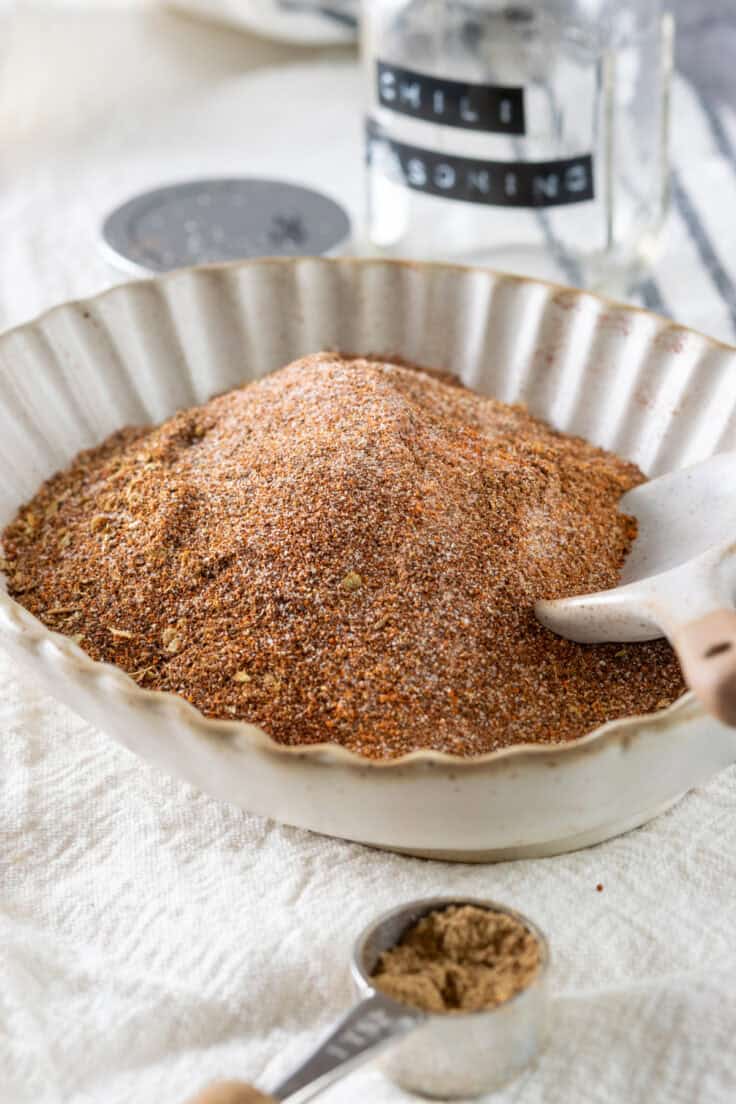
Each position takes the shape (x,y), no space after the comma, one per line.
(231,1092)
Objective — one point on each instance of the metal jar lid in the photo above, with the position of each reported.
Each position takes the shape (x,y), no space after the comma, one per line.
(206,221)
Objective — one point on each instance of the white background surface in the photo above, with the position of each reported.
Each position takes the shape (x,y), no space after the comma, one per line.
(150,939)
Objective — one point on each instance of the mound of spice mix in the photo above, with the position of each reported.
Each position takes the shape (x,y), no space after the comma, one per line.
(346,551)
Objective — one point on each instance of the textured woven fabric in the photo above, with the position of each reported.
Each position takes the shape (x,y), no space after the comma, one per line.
(152,939)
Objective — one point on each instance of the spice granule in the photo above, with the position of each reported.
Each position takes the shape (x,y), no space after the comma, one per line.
(346,551)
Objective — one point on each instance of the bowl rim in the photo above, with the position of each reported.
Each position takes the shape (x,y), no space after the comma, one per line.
(84,301)
(243,735)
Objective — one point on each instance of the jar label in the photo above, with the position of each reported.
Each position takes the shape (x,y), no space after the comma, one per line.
(494,183)
(495,109)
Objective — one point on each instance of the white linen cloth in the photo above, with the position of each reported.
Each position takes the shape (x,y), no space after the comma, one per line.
(152,939)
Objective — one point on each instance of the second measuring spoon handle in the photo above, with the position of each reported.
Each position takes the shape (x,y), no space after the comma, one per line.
(366,1029)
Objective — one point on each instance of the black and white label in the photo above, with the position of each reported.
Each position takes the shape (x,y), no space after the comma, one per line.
(491,108)
(494,183)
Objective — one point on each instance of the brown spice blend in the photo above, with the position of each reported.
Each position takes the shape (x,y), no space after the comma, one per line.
(346,551)
(460,959)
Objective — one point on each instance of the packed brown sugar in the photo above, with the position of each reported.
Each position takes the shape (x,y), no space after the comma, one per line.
(346,551)
(460,959)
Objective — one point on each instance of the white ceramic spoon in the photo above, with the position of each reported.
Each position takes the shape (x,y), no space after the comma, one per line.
(678,581)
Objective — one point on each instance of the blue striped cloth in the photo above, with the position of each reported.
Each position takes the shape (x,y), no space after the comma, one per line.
(694,277)
(344,12)
(694,280)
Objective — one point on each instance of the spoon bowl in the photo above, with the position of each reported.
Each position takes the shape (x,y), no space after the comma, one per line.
(678,581)
(445,1056)
(459,1054)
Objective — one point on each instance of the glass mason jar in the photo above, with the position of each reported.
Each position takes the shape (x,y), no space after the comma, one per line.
(530,135)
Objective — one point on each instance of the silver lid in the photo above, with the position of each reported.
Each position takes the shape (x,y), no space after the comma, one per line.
(205,221)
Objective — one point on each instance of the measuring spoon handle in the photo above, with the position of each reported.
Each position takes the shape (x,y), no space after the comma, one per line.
(371,1025)
(706,648)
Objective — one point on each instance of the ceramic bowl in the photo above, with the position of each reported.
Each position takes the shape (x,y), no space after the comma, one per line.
(652,391)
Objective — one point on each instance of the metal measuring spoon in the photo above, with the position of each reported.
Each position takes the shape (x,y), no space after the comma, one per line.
(449,1056)
(678,581)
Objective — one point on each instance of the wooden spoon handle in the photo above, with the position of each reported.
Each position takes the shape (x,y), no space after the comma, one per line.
(231,1092)
(707,652)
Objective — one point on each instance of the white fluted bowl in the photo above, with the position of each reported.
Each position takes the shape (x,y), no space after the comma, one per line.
(654,392)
